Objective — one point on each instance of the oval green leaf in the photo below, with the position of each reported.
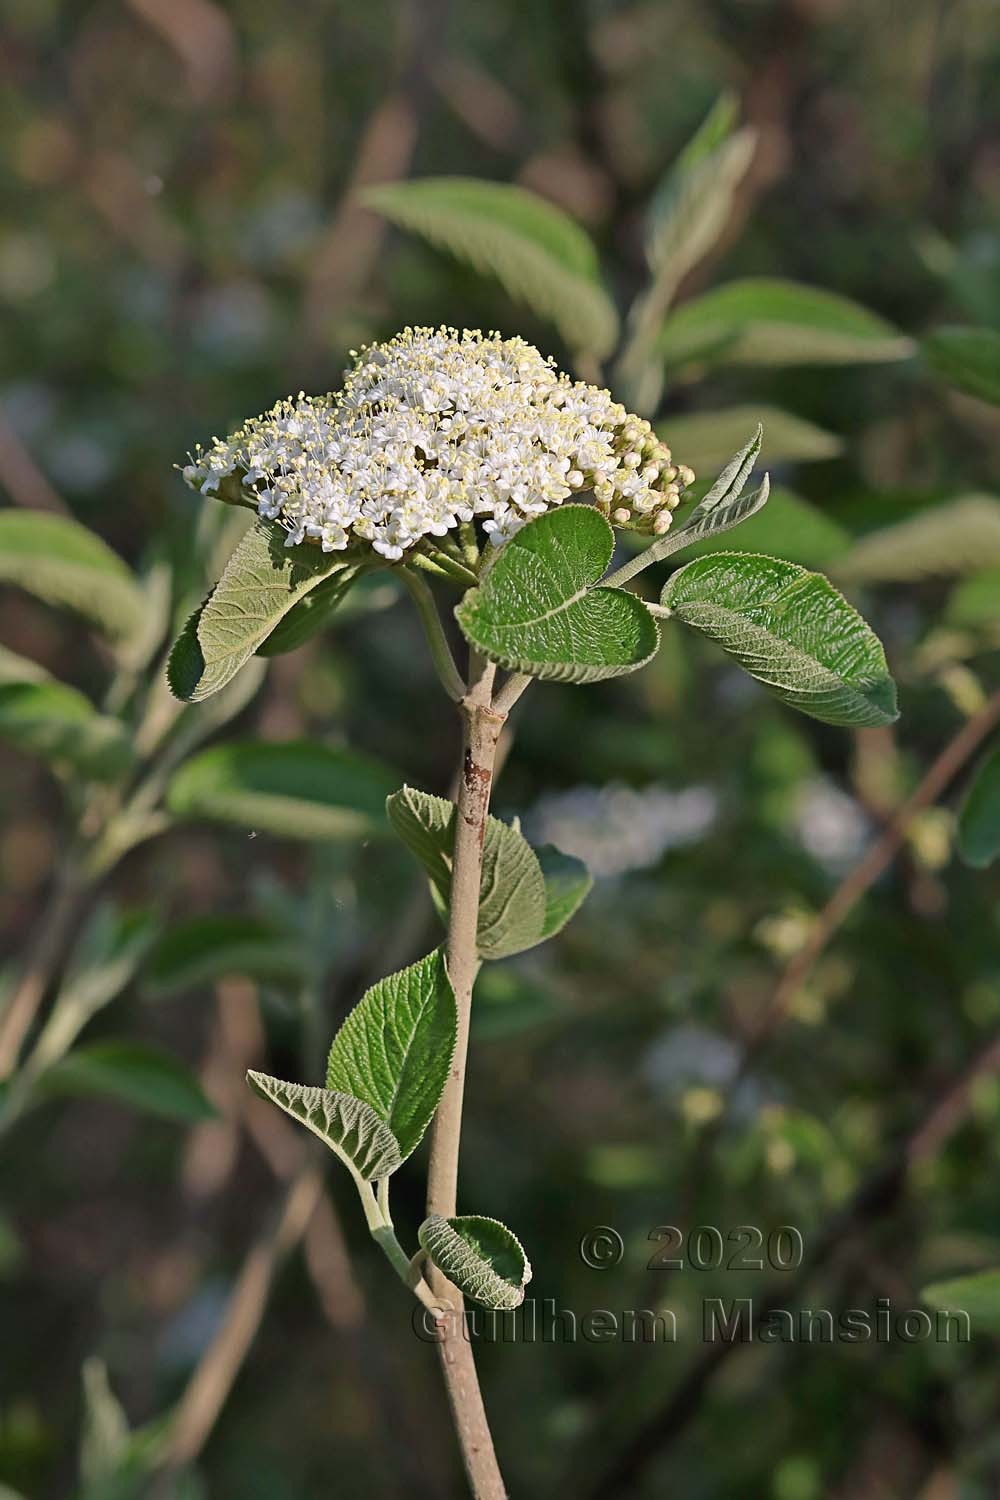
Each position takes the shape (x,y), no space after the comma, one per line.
(537,253)
(978,1295)
(768,321)
(968,359)
(293,788)
(260,584)
(979,819)
(205,949)
(133,1073)
(538,609)
(792,631)
(480,1256)
(512,897)
(394,1050)
(55,722)
(64,564)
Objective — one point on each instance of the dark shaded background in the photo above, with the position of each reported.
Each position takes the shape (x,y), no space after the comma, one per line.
(179,245)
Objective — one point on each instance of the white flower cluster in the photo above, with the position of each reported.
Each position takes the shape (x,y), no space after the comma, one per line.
(434,429)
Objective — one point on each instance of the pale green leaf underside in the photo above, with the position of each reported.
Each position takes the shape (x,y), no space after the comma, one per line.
(768,321)
(292,788)
(706,439)
(537,609)
(394,1050)
(962,536)
(792,631)
(64,564)
(512,896)
(351,1128)
(975,603)
(979,819)
(480,1256)
(55,722)
(260,584)
(537,253)
(978,1295)
(968,359)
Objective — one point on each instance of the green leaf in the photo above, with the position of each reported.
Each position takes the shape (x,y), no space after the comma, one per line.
(968,359)
(54,721)
(567,885)
(480,1256)
(787,527)
(351,1128)
(512,898)
(692,206)
(979,819)
(723,507)
(394,1050)
(205,949)
(537,609)
(706,439)
(292,788)
(260,584)
(978,1295)
(14,668)
(975,603)
(106,957)
(792,631)
(962,536)
(136,1074)
(104,1441)
(536,252)
(312,614)
(64,564)
(768,321)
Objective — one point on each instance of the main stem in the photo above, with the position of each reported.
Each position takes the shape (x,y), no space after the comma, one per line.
(481,731)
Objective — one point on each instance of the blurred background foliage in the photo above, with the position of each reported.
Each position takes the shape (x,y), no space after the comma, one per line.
(182,240)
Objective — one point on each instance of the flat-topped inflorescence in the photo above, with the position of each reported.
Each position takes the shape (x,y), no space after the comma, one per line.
(434,429)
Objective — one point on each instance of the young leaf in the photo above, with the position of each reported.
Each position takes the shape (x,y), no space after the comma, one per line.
(205,949)
(792,631)
(294,788)
(351,1128)
(537,253)
(767,321)
(394,1050)
(512,899)
(975,603)
(978,1295)
(54,721)
(968,359)
(104,1442)
(63,563)
(979,820)
(260,584)
(705,439)
(538,610)
(962,536)
(136,1074)
(787,527)
(480,1256)
(567,884)
(723,507)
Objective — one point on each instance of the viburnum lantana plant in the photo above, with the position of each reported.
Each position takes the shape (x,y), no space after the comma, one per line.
(467,462)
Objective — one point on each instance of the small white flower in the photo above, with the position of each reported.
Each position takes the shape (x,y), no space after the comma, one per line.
(436,427)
